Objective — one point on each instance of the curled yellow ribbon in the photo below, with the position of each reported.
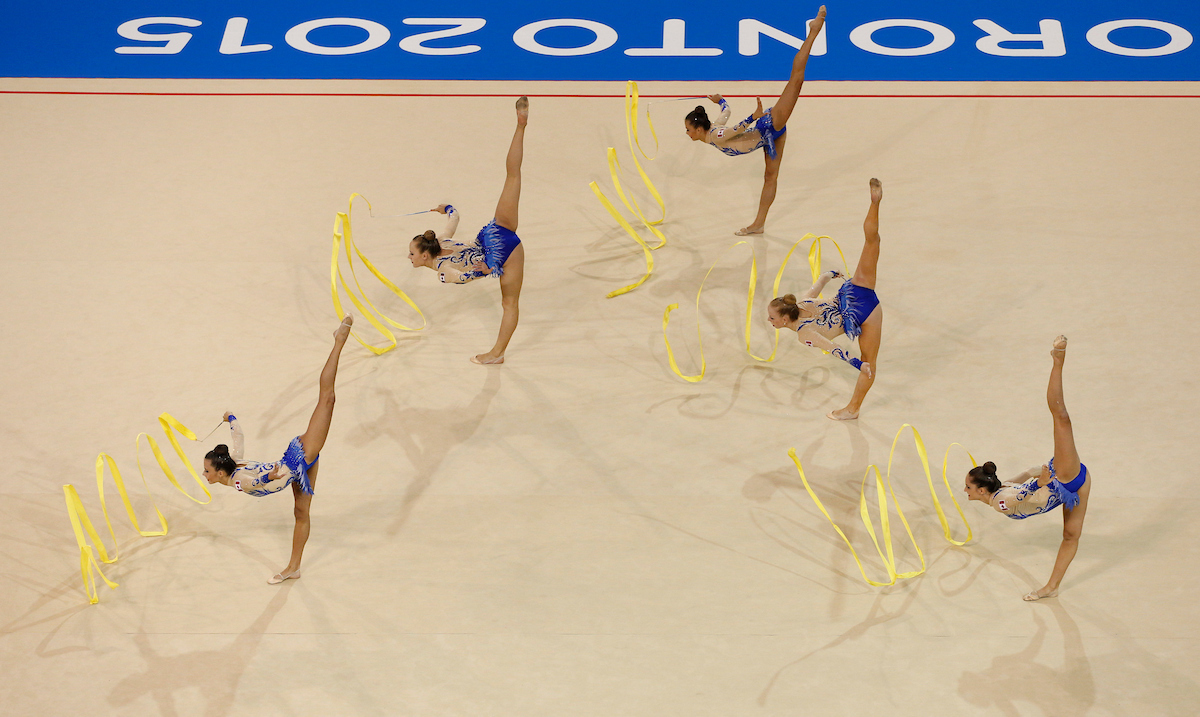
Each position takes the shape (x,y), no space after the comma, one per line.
(814,265)
(631,122)
(886,553)
(342,231)
(81,523)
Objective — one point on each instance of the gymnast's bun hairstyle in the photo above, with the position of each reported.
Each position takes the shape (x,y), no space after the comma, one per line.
(984,476)
(699,118)
(786,306)
(428,243)
(221,460)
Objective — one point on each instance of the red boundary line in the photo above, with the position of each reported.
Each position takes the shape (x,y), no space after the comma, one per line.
(509,94)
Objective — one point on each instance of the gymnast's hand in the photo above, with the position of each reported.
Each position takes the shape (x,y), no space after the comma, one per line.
(758,112)
(715,98)
(1044,478)
(481,267)
(227,416)
(440,209)
(835,274)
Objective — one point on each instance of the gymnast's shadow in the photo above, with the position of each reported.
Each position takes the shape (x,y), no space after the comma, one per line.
(427,436)
(876,616)
(1067,690)
(214,674)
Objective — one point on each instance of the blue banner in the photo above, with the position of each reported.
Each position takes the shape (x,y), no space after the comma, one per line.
(1012,40)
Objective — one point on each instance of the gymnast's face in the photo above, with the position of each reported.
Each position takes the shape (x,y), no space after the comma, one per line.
(774,318)
(212,474)
(976,492)
(416,256)
(696,134)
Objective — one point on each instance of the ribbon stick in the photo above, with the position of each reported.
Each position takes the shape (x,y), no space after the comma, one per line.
(342,231)
(631,102)
(650,122)
(884,486)
(82,524)
(814,264)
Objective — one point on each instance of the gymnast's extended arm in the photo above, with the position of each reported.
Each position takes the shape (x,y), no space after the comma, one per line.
(815,290)
(809,336)
(723,118)
(237,440)
(451,220)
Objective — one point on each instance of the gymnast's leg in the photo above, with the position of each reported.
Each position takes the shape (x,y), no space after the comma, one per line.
(313,440)
(510,196)
(1066,467)
(770,184)
(872,326)
(514,265)
(868,261)
(791,92)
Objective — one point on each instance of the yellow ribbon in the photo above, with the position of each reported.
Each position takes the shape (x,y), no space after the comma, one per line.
(81,523)
(886,553)
(342,230)
(631,122)
(814,264)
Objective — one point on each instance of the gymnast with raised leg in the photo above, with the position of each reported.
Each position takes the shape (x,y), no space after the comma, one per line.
(855,312)
(297,468)
(497,249)
(761,129)
(1042,489)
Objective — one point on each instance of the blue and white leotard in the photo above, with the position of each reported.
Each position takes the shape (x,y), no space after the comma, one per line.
(1023,500)
(746,136)
(262,479)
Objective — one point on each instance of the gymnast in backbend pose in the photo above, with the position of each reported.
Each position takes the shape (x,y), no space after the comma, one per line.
(496,250)
(761,129)
(1063,481)
(297,468)
(856,312)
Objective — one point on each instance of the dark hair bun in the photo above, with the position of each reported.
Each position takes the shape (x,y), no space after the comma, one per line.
(989,468)
(789,299)
(430,234)
(220,459)
(699,118)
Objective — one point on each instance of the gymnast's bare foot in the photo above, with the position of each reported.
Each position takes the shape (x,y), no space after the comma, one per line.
(747,231)
(343,329)
(487,359)
(876,190)
(522,110)
(1039,594)
(1059,352)
(843,414)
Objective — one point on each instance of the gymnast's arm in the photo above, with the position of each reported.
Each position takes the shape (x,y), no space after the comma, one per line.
(451,220)
(809,336)
(237,440)
(449,274)
(815,291)
(724,116)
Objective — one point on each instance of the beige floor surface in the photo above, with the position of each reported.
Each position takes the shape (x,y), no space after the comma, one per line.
(580,532)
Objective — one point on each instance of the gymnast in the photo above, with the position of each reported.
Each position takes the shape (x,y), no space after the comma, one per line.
(297,468)
(1040,490)
(856,313)
(761,129)
(496,250)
